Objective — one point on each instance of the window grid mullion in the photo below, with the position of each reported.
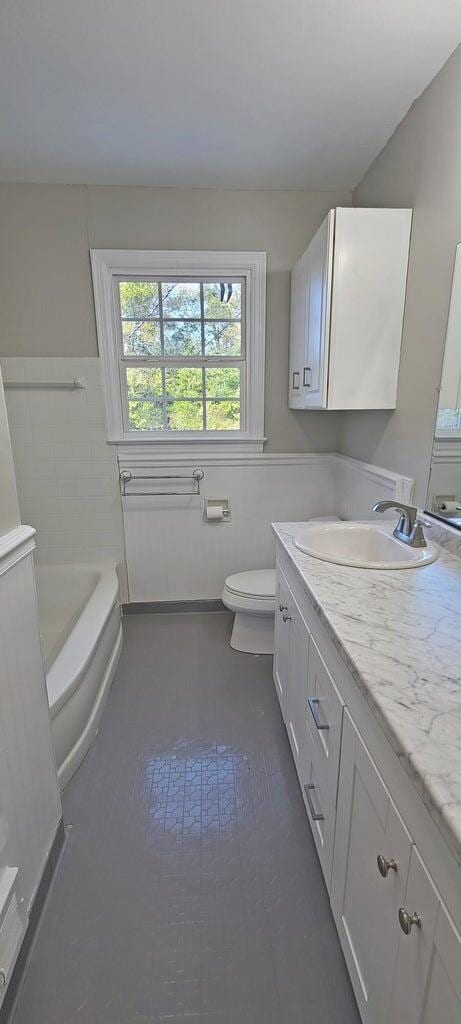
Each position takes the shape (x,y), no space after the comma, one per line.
(164,401)
(202,330)
(160,313)
(183,319)
(197,361)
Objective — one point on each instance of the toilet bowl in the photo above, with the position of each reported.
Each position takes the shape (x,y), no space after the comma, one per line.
(251,596)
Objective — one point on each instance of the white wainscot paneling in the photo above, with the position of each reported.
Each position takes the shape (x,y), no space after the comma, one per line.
(174,554)
(30,804)
(445,478)
(359,485)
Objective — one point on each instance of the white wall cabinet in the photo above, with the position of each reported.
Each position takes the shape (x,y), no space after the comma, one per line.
(347,304)
(374,863)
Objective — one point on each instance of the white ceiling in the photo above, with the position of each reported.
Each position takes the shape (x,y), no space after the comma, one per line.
(242,94)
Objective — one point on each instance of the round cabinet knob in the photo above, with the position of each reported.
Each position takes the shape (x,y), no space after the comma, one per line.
(283,607)
(286,618)
(384,866)
(406,920)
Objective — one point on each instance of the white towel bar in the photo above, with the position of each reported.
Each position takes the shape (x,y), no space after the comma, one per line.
(70,385)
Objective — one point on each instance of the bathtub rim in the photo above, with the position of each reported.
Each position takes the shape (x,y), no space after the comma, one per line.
(74,658)
(85,739)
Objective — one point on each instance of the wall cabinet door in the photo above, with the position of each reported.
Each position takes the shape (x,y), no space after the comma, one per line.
(310,318)
(365,902)
(284,605)
(318,293)
(427,986)
(297,333)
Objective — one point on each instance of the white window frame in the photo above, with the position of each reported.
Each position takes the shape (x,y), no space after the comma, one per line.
(110,264)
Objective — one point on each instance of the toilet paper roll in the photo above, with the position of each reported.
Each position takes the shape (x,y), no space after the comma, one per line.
(448,508)
(214,512)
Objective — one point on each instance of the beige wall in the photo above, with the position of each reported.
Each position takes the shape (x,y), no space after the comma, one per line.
(9,510)
(419,167)
(45,284)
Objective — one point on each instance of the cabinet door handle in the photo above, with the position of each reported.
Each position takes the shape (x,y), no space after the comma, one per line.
(306,370)
(296,378)
(283,607)
(286,618)
(313,702)
(316,815)
(406,920)
(384,866)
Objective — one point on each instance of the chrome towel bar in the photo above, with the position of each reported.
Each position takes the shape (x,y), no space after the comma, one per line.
(126,476)
(68,385)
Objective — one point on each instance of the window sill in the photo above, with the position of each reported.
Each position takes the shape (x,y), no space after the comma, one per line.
(176,447)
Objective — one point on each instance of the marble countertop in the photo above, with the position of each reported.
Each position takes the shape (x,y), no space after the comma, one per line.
(399,633)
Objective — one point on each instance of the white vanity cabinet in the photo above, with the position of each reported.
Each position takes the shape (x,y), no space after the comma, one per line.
(394,886)
(282,639)
(428,958)
(365,898)
(347,303)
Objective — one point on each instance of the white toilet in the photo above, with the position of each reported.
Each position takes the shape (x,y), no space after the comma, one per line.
(251,595)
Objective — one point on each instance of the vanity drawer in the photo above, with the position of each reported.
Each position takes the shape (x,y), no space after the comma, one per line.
(324,715)
(321,814)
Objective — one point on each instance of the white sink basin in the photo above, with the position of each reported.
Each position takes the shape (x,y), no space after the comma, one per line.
(364,545)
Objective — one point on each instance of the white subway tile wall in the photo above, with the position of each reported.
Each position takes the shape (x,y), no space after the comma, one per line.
(66,473)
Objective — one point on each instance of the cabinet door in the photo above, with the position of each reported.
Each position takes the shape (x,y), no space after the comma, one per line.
(297,693)
(427,986)
(317,316)
(282,639)
(324,710)
(365,903)
(297,333)
(321,811)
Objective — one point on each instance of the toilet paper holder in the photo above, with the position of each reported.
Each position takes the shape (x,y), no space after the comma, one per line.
(216,509)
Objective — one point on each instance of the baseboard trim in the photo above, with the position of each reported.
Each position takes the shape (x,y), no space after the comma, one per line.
(19,971)
(162,607)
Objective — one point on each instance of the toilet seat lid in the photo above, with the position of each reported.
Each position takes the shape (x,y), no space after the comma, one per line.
(254,583)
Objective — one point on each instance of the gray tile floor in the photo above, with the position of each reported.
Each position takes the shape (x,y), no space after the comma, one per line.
(190,889)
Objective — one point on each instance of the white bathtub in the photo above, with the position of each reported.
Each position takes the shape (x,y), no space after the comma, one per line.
(81,640)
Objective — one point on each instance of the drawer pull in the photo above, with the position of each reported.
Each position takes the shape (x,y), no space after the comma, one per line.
(406,920)
(316,815)
(286,618)
(296,379)
(283,607)
(384,866)
(306,370)
(313,702)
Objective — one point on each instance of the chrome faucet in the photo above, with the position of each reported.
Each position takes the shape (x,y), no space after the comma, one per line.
(408,529)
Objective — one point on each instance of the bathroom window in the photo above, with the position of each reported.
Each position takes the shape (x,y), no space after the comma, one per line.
(181,339)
